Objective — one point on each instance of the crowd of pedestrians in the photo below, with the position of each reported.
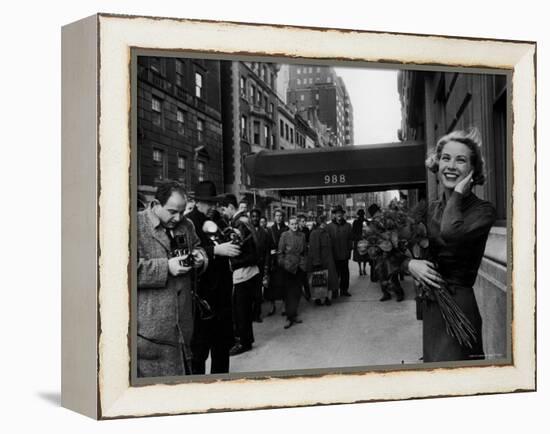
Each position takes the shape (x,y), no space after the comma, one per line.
(207,272)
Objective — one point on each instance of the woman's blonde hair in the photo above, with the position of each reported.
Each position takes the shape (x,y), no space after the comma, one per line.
(472,139)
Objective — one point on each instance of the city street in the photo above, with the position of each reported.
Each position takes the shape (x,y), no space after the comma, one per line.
(355,331)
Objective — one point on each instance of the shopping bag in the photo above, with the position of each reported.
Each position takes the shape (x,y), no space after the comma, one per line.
(319,284)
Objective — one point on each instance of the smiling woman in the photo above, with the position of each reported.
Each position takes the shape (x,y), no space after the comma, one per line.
(456,155)
(458,228)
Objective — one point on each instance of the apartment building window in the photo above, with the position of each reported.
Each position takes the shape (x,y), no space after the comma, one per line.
(256,133)
(182,169)
(156,106)
(200,130)
(159,164)
(201,171)
(310,69)
(318,69)
(179,73)
(298,71)
(302,97)
(267,136)
(244,127)
(271,108)
(272,80)
(252,93)
(311,80)
(266,104)
(292,135)
(243,87)
(298,81)
(198,85)
(329,79)
(181,121)
(259,99)
(286,132)
(316,97)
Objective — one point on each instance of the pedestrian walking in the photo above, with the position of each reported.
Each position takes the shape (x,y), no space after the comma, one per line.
(378,269)
(342,243)
(359,254)
(263,250)
(302,227)
(320,260)
(275,288)
(292,248)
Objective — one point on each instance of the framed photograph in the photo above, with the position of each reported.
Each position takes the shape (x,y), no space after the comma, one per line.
(261,216)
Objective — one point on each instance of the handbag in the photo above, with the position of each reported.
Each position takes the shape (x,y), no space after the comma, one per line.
(319,278)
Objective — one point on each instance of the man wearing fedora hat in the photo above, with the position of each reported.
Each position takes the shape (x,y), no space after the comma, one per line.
(214,330)
(341,236)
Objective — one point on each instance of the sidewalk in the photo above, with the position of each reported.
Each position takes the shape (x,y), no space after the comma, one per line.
(354,331)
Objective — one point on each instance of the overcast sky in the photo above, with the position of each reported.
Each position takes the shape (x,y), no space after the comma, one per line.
(375,100)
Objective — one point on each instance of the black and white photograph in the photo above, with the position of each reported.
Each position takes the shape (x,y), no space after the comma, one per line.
(305,217)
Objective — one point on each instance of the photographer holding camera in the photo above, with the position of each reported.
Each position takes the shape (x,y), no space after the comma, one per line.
(213,332)
(168,252)
(246,273)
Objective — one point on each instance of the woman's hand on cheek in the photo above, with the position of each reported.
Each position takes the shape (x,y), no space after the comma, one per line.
(465,186)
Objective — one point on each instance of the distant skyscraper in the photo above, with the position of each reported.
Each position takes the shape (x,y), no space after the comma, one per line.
(320,88)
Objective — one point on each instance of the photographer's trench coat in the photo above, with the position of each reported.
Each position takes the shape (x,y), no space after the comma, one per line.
(164,302)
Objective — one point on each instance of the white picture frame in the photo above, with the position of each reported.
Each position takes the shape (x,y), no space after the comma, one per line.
(96,215)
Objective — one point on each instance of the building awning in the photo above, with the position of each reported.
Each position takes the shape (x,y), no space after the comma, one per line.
(348,169)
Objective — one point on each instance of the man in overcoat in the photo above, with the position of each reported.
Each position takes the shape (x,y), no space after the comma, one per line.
(164,295)
(263,246)
(341,237)
(213,334)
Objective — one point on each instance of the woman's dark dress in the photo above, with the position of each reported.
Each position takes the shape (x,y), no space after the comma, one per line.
(458,231)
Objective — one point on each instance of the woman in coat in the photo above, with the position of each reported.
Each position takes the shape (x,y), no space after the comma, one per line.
(275,287)
(320,258)
(458,227)
(359,256)
(291,258)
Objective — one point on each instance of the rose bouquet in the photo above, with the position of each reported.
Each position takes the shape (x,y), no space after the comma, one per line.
(396,234)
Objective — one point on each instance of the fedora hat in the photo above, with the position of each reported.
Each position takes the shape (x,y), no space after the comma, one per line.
(205,191)
(338,208)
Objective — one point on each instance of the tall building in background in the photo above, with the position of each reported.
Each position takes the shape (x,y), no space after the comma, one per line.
(250,121)
(321,89)
(348,116)
(179,122)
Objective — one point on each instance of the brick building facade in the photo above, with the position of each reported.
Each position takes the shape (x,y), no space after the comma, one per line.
(179,121)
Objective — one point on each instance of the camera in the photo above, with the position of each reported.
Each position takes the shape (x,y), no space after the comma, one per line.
(182,249)
(233,235)
(218,235)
